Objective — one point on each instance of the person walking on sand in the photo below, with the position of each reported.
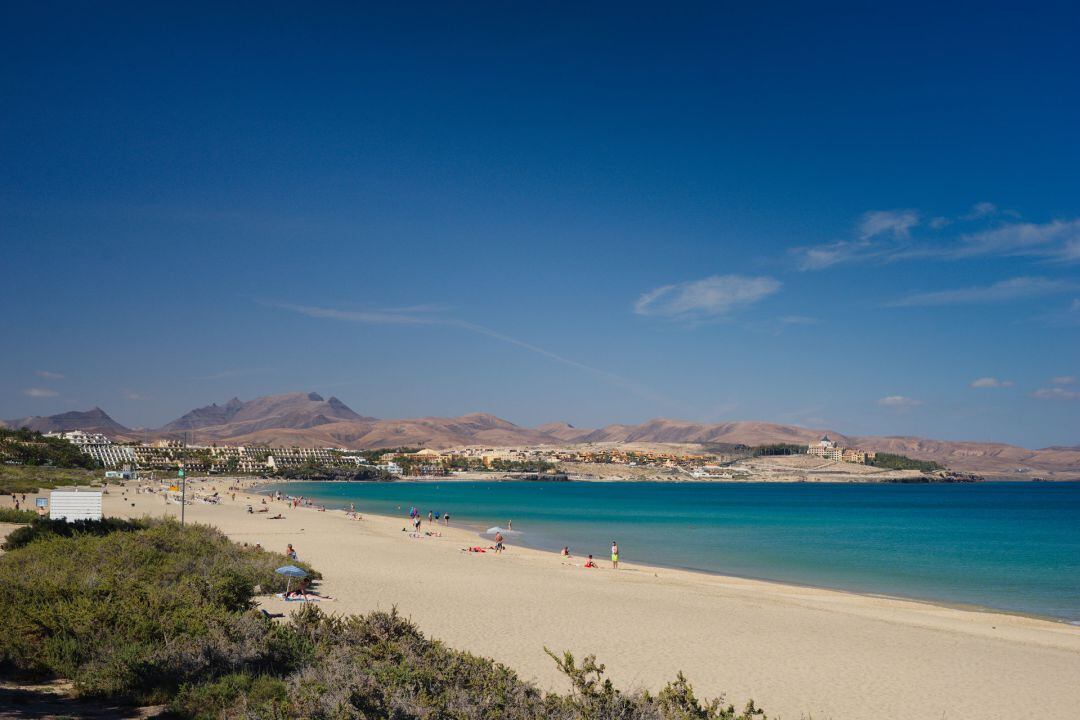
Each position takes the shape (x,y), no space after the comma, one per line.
(446,519)
(430,517)
(614,555)
(498,543)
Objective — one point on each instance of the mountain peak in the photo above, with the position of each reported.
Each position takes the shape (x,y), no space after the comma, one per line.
(92,420)
(316,397)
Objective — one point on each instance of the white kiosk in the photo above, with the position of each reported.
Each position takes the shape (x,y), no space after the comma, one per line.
(72,505)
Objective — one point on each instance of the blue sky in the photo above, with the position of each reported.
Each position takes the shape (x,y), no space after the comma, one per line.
(866,219)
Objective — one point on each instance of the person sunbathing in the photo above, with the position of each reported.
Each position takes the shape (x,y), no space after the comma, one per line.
(279,516)
(304,591)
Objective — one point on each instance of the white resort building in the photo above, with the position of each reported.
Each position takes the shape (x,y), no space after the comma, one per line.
(99,447)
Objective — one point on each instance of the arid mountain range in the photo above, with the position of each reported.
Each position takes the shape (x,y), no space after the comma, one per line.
(308,419)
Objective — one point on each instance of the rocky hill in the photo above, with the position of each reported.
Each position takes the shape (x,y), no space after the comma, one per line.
(290,411)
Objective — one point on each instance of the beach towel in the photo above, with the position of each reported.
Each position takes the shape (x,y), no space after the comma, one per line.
(309,598)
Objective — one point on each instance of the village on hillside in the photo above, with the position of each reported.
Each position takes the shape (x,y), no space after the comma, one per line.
(823,460)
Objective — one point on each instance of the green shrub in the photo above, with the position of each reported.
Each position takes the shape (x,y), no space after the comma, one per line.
(892,461)
(134,609)
(11,515)
(42,528)
(30,479)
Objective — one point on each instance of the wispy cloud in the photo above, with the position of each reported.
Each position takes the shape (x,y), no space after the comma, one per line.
(981,210)
(990,382)
(899,402)
(132,395)
(1062,389)
(819,257)
(710,297)
(985,231)
(231,373)
(49,375)
(879,233)
(36,392)
(1056,393)
(895,223)
(1056,240)
(799,320)
(1014,289)
(398,316)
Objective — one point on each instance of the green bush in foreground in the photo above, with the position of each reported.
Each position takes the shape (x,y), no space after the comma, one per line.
(134,613)
(155,612)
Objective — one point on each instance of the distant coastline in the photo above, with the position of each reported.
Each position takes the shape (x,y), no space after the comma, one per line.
(308,420)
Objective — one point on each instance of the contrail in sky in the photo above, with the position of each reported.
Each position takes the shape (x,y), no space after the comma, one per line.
(405,316)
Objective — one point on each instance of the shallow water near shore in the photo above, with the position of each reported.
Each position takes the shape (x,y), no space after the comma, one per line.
(1002,545)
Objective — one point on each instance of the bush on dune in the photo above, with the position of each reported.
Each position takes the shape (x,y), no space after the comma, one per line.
(380,666)
(135,612)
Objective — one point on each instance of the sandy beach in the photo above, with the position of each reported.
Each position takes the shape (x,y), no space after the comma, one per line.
(796,651)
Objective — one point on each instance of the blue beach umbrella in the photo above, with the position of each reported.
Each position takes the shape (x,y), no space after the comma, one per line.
(290,571)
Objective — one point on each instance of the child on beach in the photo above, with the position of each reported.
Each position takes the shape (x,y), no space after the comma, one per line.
(614,555)
(589,563)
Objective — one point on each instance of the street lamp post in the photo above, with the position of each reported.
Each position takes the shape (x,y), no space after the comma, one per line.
(183,493)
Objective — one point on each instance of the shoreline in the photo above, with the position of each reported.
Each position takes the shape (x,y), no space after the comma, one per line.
(478,529)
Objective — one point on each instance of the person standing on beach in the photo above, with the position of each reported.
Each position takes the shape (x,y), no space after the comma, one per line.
(430,517)
(614,555)
(446,519)
(498,543)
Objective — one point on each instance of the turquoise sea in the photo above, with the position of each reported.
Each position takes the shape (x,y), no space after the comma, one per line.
(1003,545)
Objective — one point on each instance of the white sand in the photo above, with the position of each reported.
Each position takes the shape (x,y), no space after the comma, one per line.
(796,651)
